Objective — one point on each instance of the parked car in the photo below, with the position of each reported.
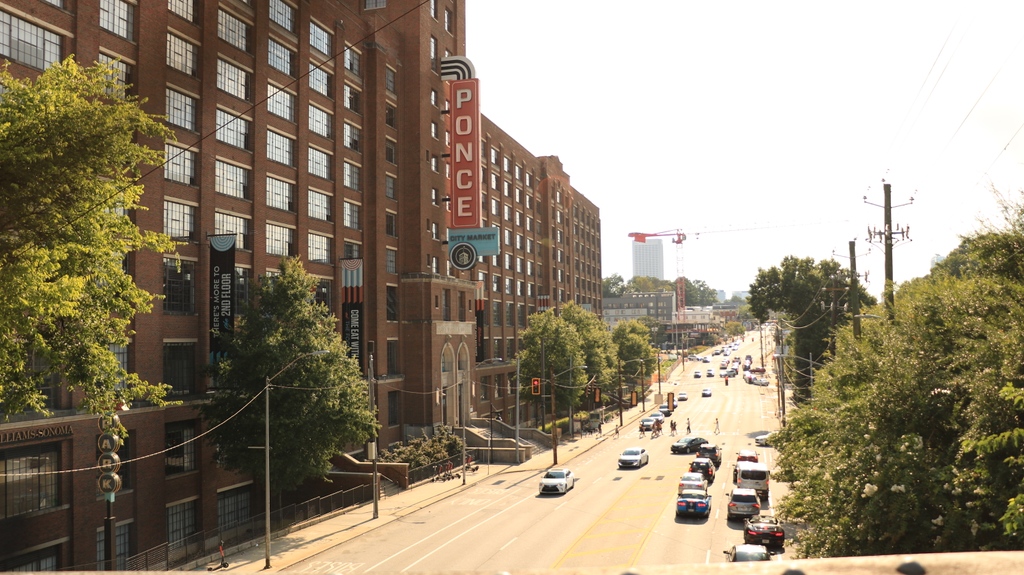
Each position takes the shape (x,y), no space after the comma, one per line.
(706,392)
(693,502)
(743,503)
(704,466)
(712,452)
(747,553)
(559,480)
(634,457)
(692,480)
(764,530)
(688,444)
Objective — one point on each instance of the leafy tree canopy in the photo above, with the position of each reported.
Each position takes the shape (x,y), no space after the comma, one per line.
(69,163)
(913,439)
(319,403)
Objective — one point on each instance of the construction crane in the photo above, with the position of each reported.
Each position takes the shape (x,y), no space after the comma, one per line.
(678,237)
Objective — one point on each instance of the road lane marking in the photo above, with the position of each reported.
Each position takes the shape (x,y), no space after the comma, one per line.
(510,541)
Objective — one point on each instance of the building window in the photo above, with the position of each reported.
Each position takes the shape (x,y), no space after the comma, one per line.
(234,80)
(449,21)
(319,80)
(27,43)
(180,454)
(282,14)
(118,17)
(280,241)
(510,317)
(393,407)
(433,97)
(391,261)
(31,479)
(184,8)
(280,58)
(179,286)
(181,521)
(351,216)
(179,221)
(243,281)
(433,54)
(280,194)
(350,176)
(352,60)
(391,151)
(390,115)
(181,109)
(180,369)
(323,293)
(233,507)
(233,130)
(391,296)
(374,4)
(389,80)
(122,545)
(351,99)
(232,30)
(319,206)
(351,136)
(389,186)
(320,122)
(392,352)
(319,249)
(280,148)
(229,224)
(122,72)
(352,250)
(182,55)
(280,103)
(319,163)
(391,224)
(320,39)
(179,165)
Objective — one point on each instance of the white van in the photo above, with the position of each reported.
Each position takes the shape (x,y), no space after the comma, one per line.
(754,476)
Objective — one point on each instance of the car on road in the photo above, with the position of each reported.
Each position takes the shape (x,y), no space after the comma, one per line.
(757,369)
(746,455)
(706,392)
(647,423)
(688,444)
(693,502)
(764,440)
(634,457)
(657,416)
(764,530)
(696,374)
(557,480)
(710,373)
(743,503)
(747,553)
(712,452)
(692,480)
(704,466)
(665,409)
(682,396)
(706,360)
(763,382)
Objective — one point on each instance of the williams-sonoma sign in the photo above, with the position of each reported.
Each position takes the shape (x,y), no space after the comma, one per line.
(15,436)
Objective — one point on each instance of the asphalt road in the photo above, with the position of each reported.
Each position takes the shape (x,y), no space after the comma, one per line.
(613,518)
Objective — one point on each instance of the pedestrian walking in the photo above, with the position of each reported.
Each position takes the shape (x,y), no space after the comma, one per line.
(687,426)
(616,432)
(641,430)
(599,432)
(717,430)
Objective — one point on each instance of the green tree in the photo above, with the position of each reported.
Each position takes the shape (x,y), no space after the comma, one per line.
(319,404)
(912,441)
(647,284)
(596,341)
(734,328)
(551,347)
(636,357)
(699,294)
(69,167)
(613,286)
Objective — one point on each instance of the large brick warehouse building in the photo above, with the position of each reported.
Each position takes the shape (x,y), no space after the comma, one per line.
(307,128)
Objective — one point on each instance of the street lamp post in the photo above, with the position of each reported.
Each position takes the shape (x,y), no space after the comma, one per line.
(266,450)
(554,435)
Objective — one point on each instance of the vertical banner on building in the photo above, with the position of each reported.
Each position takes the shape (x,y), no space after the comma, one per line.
(222,291)
(464,205)
(352,307)
(481,311)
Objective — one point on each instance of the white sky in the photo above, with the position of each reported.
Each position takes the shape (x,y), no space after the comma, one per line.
(764,122)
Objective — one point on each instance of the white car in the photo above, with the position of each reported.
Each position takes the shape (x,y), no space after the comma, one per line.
(634,457)
(764,440)
(693,481)
(706,392)
(682,396)
(558,480)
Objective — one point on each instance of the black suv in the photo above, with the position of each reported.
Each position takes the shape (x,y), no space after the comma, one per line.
(712,452)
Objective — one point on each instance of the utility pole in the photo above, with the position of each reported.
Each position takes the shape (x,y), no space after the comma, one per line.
(554,428)
(886,236)
(854,290)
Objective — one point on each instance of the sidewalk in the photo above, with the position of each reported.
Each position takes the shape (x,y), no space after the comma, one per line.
(318,535)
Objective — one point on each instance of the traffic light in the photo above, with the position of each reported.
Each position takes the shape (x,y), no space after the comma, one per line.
(597,395)
(536,386)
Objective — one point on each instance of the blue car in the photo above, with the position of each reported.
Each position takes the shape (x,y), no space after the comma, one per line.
(693,502)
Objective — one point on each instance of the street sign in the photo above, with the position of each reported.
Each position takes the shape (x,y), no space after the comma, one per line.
(484,240)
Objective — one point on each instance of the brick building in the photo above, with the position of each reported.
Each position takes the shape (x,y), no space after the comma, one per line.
(314,129)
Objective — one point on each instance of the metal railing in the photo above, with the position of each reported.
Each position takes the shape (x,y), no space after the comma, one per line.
(430,470)
(206,544)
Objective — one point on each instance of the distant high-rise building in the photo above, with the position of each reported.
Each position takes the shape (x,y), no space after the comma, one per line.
(649,259)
